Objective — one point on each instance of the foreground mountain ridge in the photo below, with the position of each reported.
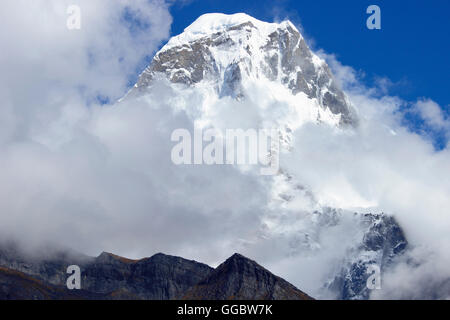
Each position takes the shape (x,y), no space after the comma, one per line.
(159,277)
(231,280)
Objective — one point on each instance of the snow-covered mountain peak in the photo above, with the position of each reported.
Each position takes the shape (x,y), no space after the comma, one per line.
(231,55)
(211,23)
(215,22)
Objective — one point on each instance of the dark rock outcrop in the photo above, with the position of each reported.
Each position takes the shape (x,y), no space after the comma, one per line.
(159,277)
(382,243)
(240,278)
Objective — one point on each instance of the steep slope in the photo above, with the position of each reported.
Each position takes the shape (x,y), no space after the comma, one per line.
(383,241)
(239,278)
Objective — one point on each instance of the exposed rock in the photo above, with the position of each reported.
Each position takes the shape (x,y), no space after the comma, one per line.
(160,277)
(382,243)
(240,278)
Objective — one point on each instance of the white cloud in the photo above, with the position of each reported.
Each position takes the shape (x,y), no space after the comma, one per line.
(432,114)
(45,65)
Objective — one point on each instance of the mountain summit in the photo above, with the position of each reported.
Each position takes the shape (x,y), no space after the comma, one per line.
(241,278)
(230,53)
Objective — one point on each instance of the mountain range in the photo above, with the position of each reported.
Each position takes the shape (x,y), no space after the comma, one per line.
(160,277)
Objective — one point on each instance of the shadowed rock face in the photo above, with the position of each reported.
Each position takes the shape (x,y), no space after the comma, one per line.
(239,278)
(383,241)
(282,56)
(160,277)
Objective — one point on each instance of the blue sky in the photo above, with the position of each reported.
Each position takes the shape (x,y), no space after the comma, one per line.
(411,49)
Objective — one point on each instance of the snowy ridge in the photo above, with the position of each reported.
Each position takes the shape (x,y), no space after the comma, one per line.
(211,23)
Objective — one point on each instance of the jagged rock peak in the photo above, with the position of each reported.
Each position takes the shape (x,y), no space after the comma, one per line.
(240,278)
(110,257)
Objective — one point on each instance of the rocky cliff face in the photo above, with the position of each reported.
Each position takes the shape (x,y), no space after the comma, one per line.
(160,277)
(381,244)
